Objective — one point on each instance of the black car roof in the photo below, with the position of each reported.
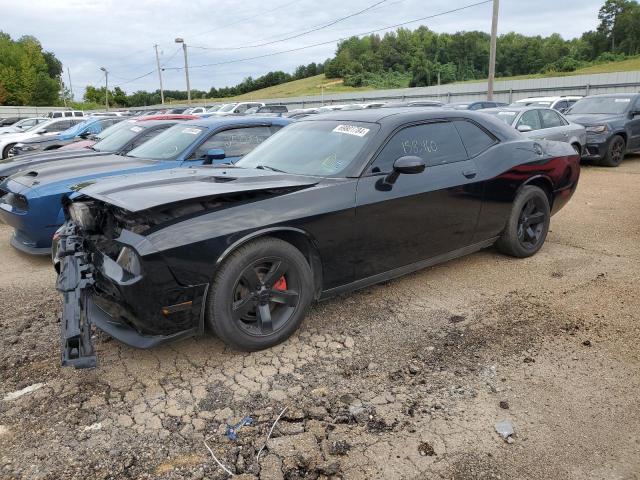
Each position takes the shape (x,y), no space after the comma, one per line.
(394,117)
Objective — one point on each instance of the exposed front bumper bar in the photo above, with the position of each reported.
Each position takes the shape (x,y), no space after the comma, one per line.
(74,282)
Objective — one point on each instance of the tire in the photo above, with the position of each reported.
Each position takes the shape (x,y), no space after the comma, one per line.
(248,307)
(615,152)
(577,147)
(523,237)
(5,151)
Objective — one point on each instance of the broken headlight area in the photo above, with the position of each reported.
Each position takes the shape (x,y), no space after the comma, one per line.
(129,261)
(81,213)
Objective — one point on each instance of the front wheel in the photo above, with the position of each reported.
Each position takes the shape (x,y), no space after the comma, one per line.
(527,225)
(260,294)
(615,152)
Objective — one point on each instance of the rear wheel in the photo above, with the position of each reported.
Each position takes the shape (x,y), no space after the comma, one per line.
(615,152)
(5,151)
(260,294)
(527,225)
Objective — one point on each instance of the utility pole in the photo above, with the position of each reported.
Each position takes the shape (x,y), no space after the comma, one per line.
(64,96)
(492,53)
(70,86)
(159,74)
(186,67)
(106,88)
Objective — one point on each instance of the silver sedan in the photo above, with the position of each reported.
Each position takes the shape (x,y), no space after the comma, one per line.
(542,124)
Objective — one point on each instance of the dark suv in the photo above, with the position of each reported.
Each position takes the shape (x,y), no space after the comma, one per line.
(612,123)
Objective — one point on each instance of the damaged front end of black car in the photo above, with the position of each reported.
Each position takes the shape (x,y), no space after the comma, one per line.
(104,282)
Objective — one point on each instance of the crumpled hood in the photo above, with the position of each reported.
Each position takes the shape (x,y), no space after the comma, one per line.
(593,118)
(75,170)
(140,192)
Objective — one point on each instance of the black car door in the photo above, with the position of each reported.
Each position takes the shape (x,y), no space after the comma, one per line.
(421,215)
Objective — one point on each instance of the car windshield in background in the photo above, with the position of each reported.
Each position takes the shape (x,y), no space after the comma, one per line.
(228,107)
(118,139)
(215,108)
(539,104)
(114,128)
(169,144)
(318,148)
(601,105)
(507,116)
(74,130)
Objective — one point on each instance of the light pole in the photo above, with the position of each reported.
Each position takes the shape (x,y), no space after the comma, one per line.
(492,52)
(159,74)
(186,67)
(106,87)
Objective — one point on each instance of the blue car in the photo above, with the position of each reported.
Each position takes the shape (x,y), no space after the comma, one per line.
(30,201)
(85,129)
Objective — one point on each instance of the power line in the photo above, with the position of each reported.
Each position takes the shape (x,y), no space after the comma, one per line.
(226,62)
(124,82)
(326,25)
(240,20)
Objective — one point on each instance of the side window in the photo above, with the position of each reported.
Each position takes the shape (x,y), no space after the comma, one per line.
(235,142)
(68,114)
(241,108)
(475,106)
(435,143)
(473,137)
(530,118)
(550,119)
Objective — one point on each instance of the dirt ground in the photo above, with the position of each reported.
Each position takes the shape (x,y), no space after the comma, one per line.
(403,380)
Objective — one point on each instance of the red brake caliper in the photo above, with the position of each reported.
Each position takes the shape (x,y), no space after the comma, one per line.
(280,284)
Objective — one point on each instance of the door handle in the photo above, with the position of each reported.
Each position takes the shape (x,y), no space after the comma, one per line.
(470,173)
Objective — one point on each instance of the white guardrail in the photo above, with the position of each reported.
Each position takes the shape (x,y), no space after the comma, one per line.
(504,91)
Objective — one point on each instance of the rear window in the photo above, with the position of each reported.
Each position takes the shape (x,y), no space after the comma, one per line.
(475,139)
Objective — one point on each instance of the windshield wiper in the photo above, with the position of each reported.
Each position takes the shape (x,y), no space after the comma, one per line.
(267,167)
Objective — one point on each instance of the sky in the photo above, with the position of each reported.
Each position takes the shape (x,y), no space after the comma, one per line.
(119,35)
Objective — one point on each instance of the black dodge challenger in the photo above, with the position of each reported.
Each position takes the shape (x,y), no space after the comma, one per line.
(328,204)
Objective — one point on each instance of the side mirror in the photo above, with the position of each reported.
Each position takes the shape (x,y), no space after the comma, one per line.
(525,128)
(634,113)
(407,165)
(214,154)
(85,135)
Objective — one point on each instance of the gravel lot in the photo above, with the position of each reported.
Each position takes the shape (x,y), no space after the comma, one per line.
(403,380)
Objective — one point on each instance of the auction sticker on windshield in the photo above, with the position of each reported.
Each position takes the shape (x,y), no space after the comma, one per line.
(136,129)
(622,100)
(191,131)
(351,130)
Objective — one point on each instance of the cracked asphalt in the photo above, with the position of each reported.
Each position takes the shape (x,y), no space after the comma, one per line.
(402,380)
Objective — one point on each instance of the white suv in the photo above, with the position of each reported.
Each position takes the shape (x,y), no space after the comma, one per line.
(65,113)
(561,104)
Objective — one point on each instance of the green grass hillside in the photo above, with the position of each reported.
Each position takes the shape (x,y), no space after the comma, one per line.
(312,85)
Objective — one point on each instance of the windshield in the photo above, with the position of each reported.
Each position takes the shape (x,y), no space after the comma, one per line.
(320,148)
(459,106)
(114,128)
(601,105)
(215,108)
(77,128)
(227,107)
(168,145)
(507,116)
(117,140)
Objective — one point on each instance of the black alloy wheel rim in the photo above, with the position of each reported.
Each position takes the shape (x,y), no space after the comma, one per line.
(265,296)
(531,223)
(616,151)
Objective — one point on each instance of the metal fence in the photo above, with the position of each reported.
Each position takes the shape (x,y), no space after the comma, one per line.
(24,112)
(504,91)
